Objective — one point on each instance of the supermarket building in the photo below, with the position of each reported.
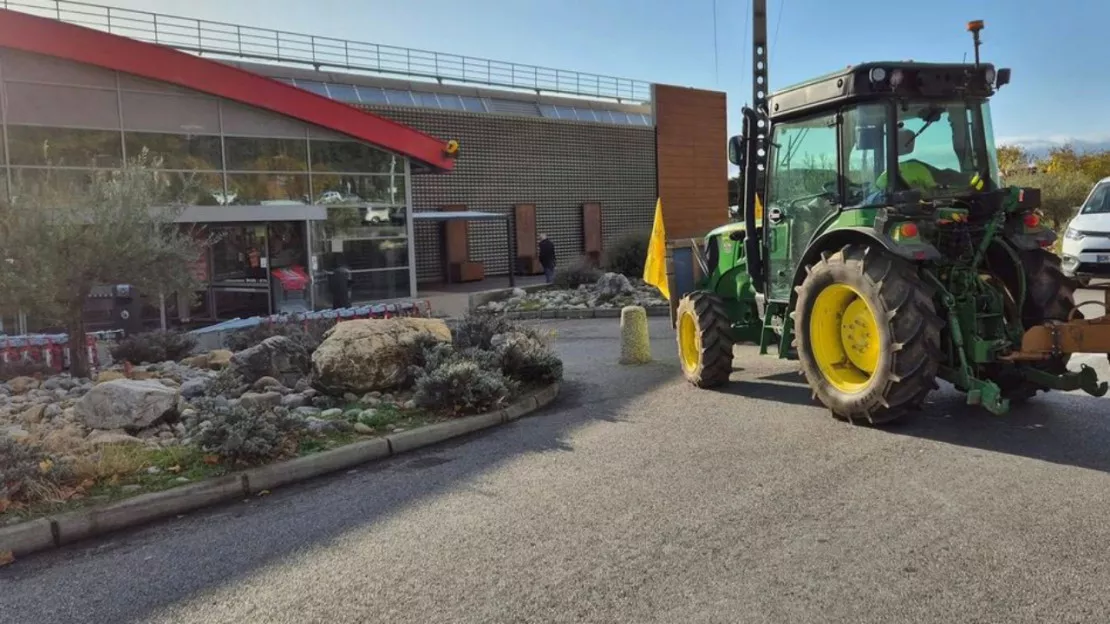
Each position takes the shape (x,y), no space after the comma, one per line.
(269,133)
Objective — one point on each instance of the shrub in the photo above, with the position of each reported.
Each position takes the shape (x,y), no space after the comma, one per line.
(477,329)
(627,254)
(154,346)
(20,468)
(462,386)
(525,357)
(577,273)
(23,368)
(242,434)
(309,337)
(226,383)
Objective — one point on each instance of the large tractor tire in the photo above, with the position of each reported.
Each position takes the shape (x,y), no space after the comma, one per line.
(704,339)
(867,334)
(1049,296)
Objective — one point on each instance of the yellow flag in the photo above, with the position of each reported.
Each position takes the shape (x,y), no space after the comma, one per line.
(655,269)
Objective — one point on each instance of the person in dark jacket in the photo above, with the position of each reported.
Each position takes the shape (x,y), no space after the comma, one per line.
(547,257)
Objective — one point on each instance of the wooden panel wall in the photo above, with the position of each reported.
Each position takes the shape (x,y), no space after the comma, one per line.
(527,250)
(591,231)
(456,236)
(691,159)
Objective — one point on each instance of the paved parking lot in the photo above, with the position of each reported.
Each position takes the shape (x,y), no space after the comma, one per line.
(637,498)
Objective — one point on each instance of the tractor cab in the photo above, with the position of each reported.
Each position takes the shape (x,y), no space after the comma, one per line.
(844,148)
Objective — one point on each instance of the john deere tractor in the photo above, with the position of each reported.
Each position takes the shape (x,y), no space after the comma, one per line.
(876,246)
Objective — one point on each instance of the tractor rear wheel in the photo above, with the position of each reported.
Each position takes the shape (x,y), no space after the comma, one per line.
(1049,296)
(704,339)
(867,334)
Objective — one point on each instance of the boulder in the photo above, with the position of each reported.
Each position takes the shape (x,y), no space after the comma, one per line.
(17,433)
(21,385)
(614,285)
(364,355)
(194,388)
(109,438)
(293,401)
(219,359)
(263,400)
(33,415)
(277,356)
(266,383)
(198,361)
(69,439)
(128,404)
(109,375)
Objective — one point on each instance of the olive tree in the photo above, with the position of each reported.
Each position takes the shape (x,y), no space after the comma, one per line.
(63,233)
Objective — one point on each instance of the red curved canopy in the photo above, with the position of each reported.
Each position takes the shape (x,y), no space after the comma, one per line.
(49,37)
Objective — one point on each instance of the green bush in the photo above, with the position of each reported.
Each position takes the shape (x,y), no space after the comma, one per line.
(526,357)
(577,273)
(227,383)
(477,329)
(462,386)
(628,254)
(242,434)
(154,346)
(488,361)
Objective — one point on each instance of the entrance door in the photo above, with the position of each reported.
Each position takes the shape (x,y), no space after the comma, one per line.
(240,273)
(289,272)
(802,193)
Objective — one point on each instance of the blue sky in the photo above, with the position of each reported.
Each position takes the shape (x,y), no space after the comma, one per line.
(1057,50)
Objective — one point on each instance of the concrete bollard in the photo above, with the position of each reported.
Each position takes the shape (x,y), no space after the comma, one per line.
(635,341)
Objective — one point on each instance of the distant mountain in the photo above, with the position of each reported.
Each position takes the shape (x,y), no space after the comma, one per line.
(1038,147)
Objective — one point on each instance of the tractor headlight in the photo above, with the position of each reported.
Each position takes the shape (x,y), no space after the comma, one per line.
(1074,234)
(878,74)
(989,75)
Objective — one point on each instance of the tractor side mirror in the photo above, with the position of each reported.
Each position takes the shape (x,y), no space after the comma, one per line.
(736,150)
(1003,78)
(734,212)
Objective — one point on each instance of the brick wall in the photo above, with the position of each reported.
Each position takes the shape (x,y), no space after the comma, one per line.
(556,165)
(691,151)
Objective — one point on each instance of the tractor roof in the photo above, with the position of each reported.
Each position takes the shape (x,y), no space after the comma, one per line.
(873,81)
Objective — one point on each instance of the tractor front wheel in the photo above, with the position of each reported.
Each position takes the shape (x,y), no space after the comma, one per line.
(867,334)
(704,339)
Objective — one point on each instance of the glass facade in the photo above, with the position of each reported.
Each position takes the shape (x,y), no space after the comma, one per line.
(66,120)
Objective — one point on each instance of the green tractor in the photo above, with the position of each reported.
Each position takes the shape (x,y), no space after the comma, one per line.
(876,246)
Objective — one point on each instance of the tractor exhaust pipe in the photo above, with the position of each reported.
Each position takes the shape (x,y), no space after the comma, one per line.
(974,27)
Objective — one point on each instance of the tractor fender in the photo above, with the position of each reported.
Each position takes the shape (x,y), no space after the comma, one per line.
(835,240)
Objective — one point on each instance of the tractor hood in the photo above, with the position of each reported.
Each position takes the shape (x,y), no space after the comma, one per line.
(725,229)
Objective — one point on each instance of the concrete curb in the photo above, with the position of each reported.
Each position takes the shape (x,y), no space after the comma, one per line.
(579,313)
(55,531)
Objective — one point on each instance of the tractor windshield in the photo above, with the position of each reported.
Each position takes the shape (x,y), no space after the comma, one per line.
(945,148)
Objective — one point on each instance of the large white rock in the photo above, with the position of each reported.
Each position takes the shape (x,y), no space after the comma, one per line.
(364,355)
(129,404)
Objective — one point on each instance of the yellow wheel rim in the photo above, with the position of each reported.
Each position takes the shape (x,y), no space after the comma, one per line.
(844,334)
(689,344)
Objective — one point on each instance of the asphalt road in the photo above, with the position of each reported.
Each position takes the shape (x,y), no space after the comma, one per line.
(637,498)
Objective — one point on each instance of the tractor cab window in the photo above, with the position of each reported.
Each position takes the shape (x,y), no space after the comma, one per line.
(941,148)
(864,143)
